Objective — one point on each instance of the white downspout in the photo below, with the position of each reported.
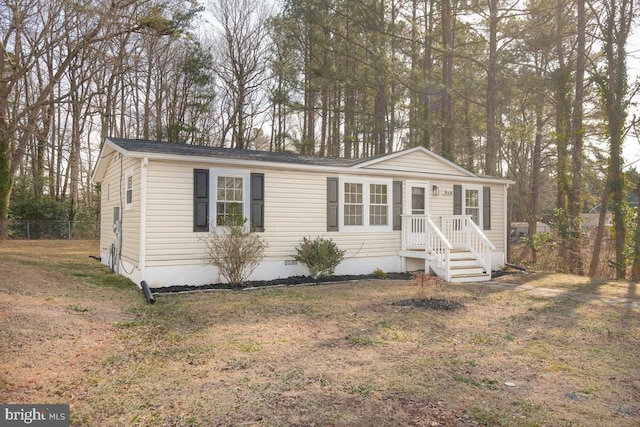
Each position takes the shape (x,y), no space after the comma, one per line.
(143,218)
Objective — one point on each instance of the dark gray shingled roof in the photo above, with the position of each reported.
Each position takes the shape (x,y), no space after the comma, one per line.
(157,147)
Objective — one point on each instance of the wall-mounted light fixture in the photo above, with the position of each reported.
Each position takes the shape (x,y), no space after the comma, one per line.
(435,191)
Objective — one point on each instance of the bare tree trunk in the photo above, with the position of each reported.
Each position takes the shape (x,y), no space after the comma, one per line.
(491,156)
(577,136)
(447,80)
(635,266)
(536,166)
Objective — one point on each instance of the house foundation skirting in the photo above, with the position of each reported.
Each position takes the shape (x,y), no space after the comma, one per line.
(198,274)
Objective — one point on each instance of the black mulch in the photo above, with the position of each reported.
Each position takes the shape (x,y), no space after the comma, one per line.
(288,281)
(430,304)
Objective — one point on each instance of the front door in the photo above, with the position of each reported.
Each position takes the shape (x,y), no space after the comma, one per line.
(418,196)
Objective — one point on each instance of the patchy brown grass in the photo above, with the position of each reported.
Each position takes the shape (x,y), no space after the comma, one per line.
(342,354)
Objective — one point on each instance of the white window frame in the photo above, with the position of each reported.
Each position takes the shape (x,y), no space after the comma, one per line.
(214,174)
(366,201)
(128,205)
(477,188)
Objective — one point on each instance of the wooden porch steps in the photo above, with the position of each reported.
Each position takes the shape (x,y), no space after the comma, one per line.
(465,268)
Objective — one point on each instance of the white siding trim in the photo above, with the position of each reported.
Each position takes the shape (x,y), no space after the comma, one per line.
(505,225)
(143,217)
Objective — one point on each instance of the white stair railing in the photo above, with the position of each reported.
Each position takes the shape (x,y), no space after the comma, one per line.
(455,228)
(463,233)
(422,234)
(440,249)
(479,245)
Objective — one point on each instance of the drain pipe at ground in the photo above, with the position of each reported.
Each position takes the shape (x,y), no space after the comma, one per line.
(147,292)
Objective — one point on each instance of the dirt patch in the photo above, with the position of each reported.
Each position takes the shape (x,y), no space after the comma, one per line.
(53,326)
(437,304)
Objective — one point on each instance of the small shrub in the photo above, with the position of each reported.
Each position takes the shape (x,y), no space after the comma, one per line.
(236,252)
(320,255)
(379,273)
(424,281)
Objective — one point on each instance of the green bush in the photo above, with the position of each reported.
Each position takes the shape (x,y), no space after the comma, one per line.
(320,255)
(379,273)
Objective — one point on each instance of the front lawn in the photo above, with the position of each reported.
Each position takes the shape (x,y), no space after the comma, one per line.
(349,354)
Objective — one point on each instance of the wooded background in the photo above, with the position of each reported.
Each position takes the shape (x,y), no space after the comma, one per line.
(534,91)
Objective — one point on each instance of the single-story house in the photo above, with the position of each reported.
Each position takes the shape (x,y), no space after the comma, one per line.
(403,211)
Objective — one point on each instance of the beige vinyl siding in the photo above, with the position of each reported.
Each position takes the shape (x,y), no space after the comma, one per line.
(113,193)
(295,207)
(108,200)
(170,237)
(417,161)
(131,218)
(498,219)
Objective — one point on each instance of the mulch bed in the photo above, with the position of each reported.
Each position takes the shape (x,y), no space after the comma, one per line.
(288,281)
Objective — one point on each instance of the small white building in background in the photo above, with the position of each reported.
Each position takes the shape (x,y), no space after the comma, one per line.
(521,229)
(590,220)
(401,211)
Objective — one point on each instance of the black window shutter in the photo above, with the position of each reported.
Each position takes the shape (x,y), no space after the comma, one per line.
(257,201)
(397,205)
(200,200)
(332,204)
(486,208)
(457,199)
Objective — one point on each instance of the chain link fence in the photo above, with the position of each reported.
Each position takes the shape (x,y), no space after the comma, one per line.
(50,230)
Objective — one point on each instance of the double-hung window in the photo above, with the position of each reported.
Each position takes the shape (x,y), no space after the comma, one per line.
(230,200)
(353,204)
(365,204)
(378,204)
(129,190)
(472,204)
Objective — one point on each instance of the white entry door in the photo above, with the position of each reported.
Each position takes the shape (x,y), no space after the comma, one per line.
(418,197)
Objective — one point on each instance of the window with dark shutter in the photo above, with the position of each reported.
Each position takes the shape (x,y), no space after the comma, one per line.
(486,208)
(332,204)
(397,205)
(257,201)
(200,200)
